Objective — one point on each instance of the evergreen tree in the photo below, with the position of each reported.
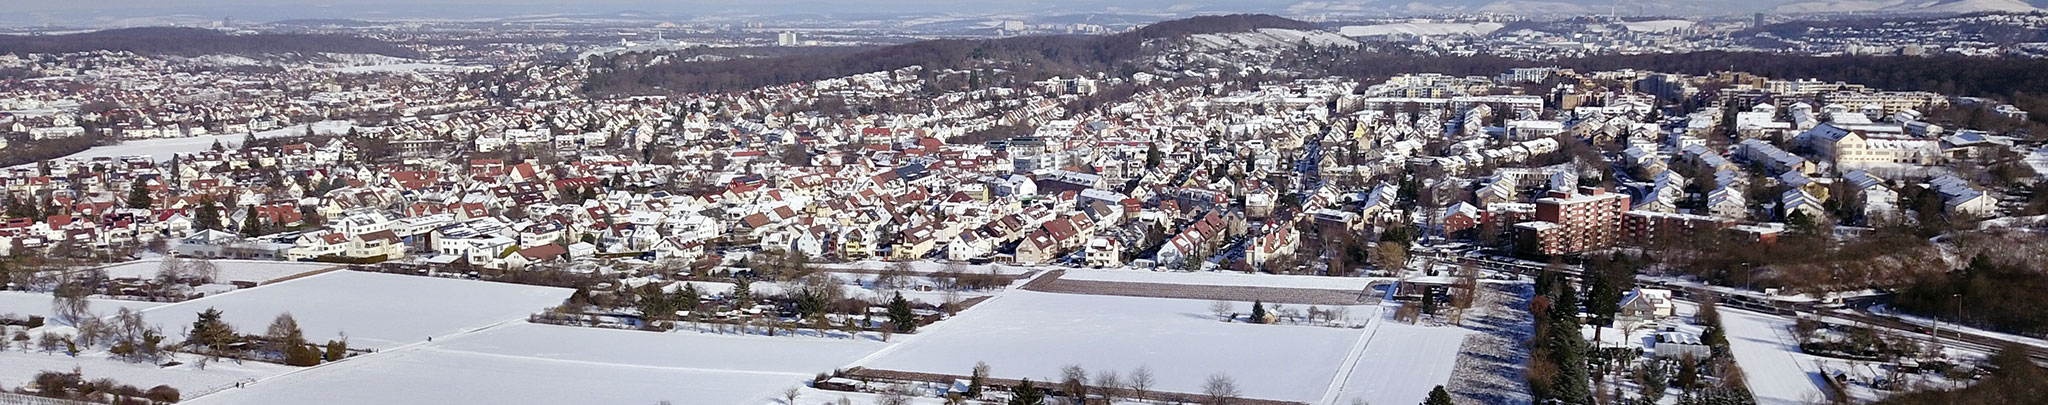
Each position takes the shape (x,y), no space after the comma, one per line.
(336,350)
(251,225)
(1258,312)
(1026,394)
(211,332)
(208,217)
(900,315)
(1438,397)
(138,195)
(1603,296)
(689,298)
(1152,156)
(742,294)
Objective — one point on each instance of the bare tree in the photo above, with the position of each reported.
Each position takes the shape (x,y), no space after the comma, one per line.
(789,395)
(1220,308)
(1140,383)
(1220,389)
(203,269)
(1464,291)
(1074,380)
(69,303)
(1108,385)
(171,269)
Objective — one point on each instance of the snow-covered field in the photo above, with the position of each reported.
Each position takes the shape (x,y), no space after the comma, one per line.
(1027,334)
(1401,363)
(529,363)
(162,149)
(1769,355)
(1421,29)
(257,271)
(17,368)
(424,375)
(679,349)
(373,310)
(38,304)
(1220,278)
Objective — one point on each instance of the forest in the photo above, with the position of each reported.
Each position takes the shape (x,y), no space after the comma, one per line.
(194,42)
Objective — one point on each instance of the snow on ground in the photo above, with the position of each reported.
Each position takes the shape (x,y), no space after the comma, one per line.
(424,375)
(1223,278)
(2038,160)
(1269,38)
(374,310)
(1769,355)
(1028,334)
(1401,363)
(1421,29)
(18,368)
(530,363)
(162,149)
(38,304)
(256,271)
(679,349)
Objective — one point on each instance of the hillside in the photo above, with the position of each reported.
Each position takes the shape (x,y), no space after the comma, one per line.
(1029,56)
(195,42)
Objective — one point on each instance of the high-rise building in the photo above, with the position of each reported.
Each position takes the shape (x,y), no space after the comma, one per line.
(1568,223)
(786,38)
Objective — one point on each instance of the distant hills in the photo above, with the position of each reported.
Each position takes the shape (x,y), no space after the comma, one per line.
(196,42)
(1028,56)
(1661,7)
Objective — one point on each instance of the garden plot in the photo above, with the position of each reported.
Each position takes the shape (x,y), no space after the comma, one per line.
(1028,334)
(372,310)
(254,271)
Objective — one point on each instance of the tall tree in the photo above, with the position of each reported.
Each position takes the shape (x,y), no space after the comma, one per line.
(138,195)
(1026,394)
(211,332)
(208,217)
(251,224)
(900,314)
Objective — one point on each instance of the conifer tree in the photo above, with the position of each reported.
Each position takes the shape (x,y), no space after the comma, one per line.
(900,314)
(138,195)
